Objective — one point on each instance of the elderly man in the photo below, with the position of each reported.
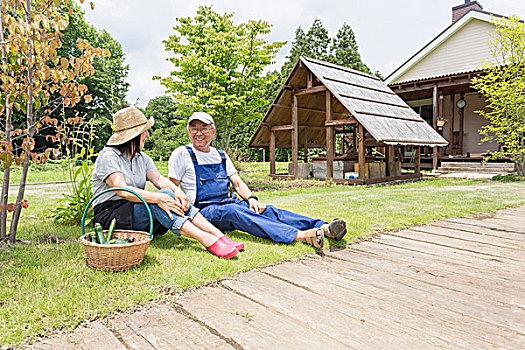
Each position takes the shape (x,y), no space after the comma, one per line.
(204,174)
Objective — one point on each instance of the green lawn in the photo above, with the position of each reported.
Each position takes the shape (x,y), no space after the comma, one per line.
(47,286)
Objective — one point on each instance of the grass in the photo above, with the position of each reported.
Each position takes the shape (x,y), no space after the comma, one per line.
(47,286)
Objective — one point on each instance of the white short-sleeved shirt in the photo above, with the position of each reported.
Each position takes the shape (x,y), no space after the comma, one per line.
(180,167)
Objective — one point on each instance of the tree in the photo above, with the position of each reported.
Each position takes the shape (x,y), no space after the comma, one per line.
(503,86)
(169,133)
(344,50)
(31,71)
(218,68)
(107,85)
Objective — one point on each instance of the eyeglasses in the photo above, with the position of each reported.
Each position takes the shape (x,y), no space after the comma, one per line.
(205,130)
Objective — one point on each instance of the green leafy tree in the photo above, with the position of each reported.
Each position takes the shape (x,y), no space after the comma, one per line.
(169,131)
(108,84)
(503,86)
(344,50)
(219,68)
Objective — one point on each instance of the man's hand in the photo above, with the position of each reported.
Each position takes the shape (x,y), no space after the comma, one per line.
(168,204)
(255,206)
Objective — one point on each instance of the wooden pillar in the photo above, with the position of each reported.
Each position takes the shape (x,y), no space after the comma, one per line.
(461,121)
(354,139)
(362,152)
(418,160)
(306,145)
(434,124)
(451,125)
(329,137)
(309,80)
(390,161)
(295,137)
(272,153)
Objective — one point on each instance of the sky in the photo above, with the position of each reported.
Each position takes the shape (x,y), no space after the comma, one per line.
(388,32)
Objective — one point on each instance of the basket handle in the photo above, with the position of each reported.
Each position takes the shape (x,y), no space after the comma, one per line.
(118,189)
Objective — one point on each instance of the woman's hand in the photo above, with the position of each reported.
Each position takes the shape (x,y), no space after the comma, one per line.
(182,199)
(168,204)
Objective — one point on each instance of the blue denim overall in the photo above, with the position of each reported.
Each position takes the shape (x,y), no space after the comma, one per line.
(228,213)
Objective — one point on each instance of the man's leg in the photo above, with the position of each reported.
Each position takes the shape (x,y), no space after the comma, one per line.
(229,217)
(298,221)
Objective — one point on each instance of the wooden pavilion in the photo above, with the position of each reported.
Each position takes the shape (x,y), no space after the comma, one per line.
(320,100)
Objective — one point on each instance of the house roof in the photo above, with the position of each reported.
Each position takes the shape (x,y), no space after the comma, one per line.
(396,76)
(357,95)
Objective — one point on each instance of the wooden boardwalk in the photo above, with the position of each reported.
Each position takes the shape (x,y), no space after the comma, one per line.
(454,284)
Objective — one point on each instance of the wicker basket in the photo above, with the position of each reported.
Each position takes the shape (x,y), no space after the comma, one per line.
(116,257)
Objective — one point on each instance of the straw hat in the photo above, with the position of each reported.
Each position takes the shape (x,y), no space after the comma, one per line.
(128,123)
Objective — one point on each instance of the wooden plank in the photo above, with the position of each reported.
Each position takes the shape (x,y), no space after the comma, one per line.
(312,90)
(349,181)
(411,256)
(392,178)
(341,122)
(505,254)
(360,98)
(475,320)
(475,260)
(307,276)
(361,152)
(128,335)
(515,238)
(367,87)
(477,237)
(378,296)
(96,336)
(252,324)
(303,305)
(295,137)
(164,328)
(329,137)
(272,153)
(493,305)
(487,224)
(313,110)
(62,342)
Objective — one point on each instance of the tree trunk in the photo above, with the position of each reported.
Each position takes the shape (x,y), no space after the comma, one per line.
(230,131)
(30,132)
(7,131)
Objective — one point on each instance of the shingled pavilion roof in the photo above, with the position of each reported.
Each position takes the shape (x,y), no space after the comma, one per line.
(356,95)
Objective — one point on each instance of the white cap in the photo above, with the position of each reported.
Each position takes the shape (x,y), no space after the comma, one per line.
(203,117)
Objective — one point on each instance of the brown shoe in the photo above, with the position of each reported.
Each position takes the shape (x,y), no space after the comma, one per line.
(336,229)
(312,236)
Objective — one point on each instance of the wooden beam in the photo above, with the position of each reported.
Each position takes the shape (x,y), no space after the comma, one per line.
(309,80)
(362,152)
(281,176)
(434,124)
(311,90)
(390,161)
(461,125)
(418,160)
(374,144)
(451,125)
(281,127)
(295,137)
(306,145)
(272,153)
(392,178)
(329,137)
(340,122)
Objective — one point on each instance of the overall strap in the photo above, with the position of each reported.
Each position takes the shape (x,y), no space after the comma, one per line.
(223,165)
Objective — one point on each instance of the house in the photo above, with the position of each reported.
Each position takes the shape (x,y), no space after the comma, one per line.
(360,122)
(436,80)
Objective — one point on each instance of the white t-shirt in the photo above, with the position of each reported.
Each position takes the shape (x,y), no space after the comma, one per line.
(180,167)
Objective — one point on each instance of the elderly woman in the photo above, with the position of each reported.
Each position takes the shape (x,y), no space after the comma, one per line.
(122,164)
